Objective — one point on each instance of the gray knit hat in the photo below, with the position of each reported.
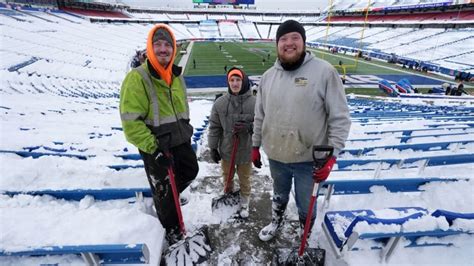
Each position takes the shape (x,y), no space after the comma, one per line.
(162,34)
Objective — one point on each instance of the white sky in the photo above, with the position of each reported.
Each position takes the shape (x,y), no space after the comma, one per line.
(261,4)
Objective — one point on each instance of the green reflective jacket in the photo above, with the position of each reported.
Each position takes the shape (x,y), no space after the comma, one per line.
(150,109)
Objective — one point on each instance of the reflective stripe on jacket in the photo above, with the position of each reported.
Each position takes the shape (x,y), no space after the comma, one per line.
(149,108)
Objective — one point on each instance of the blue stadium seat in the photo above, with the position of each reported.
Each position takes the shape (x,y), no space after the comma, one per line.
(79,194)
(93,254)
(344,229)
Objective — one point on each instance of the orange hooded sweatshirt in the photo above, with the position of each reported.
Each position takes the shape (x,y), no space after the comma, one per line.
(165,73)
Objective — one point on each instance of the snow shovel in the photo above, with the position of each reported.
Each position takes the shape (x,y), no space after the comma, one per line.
(310,256)
(195,248)
(229,198)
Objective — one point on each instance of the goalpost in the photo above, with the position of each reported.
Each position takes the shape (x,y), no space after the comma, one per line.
(344,67)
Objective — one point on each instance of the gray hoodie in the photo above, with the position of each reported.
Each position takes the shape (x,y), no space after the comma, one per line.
(227,110)
(298,109)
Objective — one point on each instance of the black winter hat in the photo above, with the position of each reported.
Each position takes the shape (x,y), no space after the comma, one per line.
(291,26)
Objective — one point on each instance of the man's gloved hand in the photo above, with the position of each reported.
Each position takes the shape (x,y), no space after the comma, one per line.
(241,127)
(321,174)
(161,158)
(215,156)
(256,157)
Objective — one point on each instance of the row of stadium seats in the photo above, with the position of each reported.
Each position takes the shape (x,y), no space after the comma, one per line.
(438,16)
(48,41)
(344,5)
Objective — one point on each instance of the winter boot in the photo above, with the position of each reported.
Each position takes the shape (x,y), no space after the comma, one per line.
(269,231)
(183,200)
(244,207)
(173,235)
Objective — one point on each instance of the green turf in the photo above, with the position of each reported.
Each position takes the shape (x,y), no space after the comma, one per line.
(353,65)
(249,55)
(365,91)
(211,61)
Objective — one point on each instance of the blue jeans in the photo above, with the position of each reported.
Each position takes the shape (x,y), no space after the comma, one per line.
(283,175)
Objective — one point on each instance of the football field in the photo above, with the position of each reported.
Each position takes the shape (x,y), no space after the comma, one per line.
(211,58)
(208,61)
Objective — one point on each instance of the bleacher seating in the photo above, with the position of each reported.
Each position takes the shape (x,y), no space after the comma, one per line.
(197,17)
(174,16)
(229,30)
(249,31)
(235,17)
(15,15)
(92,254)
(181,32)
(55,54)
(104,60)
(385,228)
(194,30)
(95,13)
(438,16)
(209,29)
(264,30)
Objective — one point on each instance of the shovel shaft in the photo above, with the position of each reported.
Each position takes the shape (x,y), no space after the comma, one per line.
(307,224)
(230,177)
(176,199)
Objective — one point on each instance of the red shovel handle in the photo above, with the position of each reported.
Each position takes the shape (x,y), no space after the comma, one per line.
(308,218)
(230,177)
(176,198)
(318,163)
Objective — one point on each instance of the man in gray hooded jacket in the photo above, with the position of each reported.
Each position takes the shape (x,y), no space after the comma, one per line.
(300,103)
(232,117)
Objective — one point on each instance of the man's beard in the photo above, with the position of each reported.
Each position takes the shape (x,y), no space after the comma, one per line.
(164,61)
(292,60)
(293,63)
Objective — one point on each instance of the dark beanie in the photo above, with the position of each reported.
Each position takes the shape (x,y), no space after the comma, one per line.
(290,26)
(162,34)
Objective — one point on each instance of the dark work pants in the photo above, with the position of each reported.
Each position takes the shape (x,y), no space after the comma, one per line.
(185,169)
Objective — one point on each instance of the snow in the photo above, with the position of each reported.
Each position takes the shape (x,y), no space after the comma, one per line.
(87,126)
(84,126)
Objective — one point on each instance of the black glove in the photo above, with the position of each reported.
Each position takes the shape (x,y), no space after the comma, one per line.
(162,159)
(215,156)
(242,126)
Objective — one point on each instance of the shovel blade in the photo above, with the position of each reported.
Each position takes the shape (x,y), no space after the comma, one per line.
(194,249)
(227,200)
(311,256)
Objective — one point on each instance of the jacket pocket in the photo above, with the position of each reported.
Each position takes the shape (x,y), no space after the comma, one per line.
(187,129)
(285,144)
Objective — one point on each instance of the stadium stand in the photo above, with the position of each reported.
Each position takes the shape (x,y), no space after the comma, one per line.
(440,38)
(249,31)
(95,13)
(229,29)
(424,17)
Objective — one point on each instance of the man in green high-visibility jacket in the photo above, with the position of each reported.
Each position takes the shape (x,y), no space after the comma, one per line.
(155,118)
